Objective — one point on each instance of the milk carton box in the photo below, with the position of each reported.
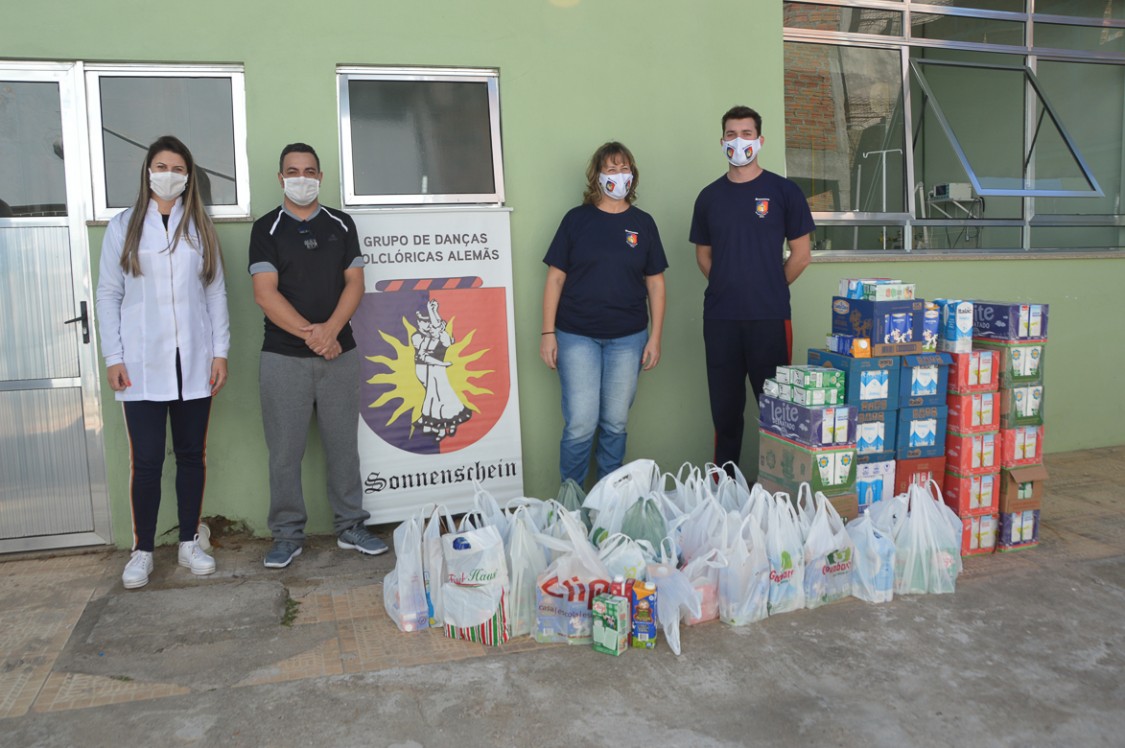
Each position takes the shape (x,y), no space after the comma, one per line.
(611,624)
(931,326)
(1003,320)
(955,328)
(874,481)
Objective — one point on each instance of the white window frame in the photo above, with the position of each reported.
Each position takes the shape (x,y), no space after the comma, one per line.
(235,73)
(490,76)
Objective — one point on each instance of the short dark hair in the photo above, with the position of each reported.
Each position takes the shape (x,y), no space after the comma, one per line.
(296,148)
(743,112)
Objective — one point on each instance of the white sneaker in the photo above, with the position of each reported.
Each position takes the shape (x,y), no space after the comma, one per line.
(193,557)
(203,537)
(137,570)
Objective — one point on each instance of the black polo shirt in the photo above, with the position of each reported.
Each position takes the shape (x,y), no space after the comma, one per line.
(310,258)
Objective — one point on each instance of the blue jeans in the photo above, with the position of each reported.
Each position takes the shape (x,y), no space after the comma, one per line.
(599,382)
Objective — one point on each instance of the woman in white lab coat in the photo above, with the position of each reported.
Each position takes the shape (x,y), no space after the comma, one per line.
(162,315)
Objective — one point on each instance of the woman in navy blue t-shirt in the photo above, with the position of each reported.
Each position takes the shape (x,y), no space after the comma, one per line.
(605,273)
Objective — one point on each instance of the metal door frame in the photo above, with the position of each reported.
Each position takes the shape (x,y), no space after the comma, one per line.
(72,110)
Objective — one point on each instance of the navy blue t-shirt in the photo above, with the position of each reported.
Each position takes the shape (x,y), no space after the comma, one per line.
(746,225)
(606,257)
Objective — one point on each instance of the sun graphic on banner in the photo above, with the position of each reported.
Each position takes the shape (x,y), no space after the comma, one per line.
(403,380)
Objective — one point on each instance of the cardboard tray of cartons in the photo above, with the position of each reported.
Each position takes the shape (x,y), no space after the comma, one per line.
(1021,405)
(1010,481)
(924,380)
(870,383)
(921,432)
(1017,363)
(972,495)
(830,470)
(816,426)
(872,319)
(919,471)
(870,426)
(1004,320)
(972,454)
(974,412)
(975,371)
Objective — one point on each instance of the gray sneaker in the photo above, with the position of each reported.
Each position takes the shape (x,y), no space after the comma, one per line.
(360,538)
(282,553)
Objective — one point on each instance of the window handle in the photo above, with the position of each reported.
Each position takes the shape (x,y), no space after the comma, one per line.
(84,319)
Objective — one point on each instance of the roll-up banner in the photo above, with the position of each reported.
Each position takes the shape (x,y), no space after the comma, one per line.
(439,404)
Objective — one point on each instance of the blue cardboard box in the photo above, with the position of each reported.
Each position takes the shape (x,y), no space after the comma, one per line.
(894,327)
(870,383)
(1004,320)
(925,380)
(875,434)
(921,432)
(815,425)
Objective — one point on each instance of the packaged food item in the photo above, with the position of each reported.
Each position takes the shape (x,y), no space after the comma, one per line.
(611,623)
(643,614)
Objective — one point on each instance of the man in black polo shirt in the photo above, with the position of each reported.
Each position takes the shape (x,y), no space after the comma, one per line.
(308,279)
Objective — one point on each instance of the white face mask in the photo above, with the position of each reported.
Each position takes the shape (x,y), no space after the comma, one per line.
(616,185)
(166,185)
(741,152)
(302,190)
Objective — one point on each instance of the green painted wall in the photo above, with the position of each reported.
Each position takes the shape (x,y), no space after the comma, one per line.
(574,73)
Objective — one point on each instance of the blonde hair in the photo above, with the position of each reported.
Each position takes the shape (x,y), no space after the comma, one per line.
(194,214)
(606,152)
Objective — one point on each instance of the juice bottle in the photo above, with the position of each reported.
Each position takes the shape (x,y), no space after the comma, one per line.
(643,615)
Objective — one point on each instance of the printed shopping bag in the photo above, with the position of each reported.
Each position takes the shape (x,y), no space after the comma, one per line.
(829,556)
(474,592)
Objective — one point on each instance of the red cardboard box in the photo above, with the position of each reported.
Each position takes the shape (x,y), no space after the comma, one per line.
(972,495)
(974,412)
(972,454)
(978,534)
(1022,488)
(965,372)
(1022,445)
(919,471)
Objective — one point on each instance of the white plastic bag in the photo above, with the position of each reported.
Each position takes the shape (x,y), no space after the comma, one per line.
(829,556)
(806,509)
(927,550)
(874,579)
(566,588)
(404,588)
(786,553)
(744,583)
(675,598)
(701,530)
(433,561)
(475,586)
(526,561)
(703,574)
(625,557)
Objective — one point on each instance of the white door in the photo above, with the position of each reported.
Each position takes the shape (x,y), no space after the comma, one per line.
(52,465)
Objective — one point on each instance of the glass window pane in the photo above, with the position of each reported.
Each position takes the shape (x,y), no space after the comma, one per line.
(1083,38)
(1077,237)
(843,127)
(138,110)
(858,238)
(1103,9)
(963,29)
(1010,6)
(1099,132)
(414,137)
(32,179)
(838,18)
(968,236)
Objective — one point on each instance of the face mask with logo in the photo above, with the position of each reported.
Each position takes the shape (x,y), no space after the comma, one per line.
(616,185)
(166,185)
(302,190)
(741,152)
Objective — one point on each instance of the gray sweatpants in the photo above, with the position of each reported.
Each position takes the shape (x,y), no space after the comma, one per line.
(290,388)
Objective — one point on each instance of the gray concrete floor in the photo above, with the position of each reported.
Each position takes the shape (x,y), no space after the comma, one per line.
(1028,651)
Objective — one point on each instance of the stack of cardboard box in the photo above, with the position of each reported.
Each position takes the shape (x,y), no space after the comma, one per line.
(1016,334)
(972,470)
(807,435)
(880,337)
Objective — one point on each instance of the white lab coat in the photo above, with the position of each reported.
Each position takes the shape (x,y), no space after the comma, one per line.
(144,319)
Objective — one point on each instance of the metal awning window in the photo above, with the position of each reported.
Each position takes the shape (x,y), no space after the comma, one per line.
(1045,162)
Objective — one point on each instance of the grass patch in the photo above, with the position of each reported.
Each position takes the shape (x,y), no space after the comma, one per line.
(292,607)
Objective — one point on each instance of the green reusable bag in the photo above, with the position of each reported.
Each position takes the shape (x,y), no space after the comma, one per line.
(644,521)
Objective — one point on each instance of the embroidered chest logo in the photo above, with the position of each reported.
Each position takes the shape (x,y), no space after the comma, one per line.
(631,238)
(762,209)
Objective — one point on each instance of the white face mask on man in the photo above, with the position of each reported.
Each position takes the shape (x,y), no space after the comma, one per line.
(166,185)
(741,152)
(302,191)
(616,186)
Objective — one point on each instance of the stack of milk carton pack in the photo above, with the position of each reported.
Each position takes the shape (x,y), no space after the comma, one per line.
(808,434)
(972,444)
(884,339)
(1016,334)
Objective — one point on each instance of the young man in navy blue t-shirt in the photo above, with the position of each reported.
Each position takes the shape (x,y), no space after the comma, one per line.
(740,224)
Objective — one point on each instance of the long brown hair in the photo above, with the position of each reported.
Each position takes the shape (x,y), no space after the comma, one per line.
(607,152)
(194,213)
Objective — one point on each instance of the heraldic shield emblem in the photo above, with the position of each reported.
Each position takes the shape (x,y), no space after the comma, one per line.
(435,375)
